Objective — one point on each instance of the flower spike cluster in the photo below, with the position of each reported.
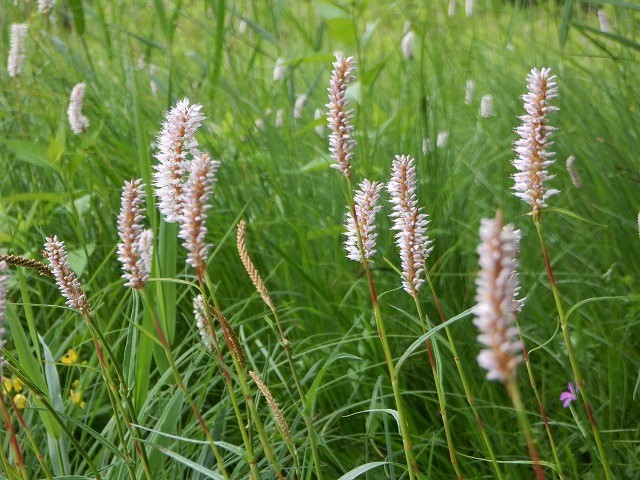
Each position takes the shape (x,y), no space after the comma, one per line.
(193,221)
(366,208)
(16,49)
(67,281)
(339,117)
(497,288)
(532,147)
(135,249)
(78,122)
(175,141)
(409,222)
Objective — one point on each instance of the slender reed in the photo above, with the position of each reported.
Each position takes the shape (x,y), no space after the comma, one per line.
(253,273)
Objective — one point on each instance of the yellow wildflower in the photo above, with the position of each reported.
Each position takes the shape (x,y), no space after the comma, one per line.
(20,401)
(17,384)
(70,358)
(76,397)
(7,386)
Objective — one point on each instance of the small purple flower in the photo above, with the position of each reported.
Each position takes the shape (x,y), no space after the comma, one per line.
(569,396)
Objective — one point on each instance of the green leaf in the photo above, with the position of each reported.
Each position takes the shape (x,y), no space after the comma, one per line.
(77,11)
(627,42)
(567,12)
(185,461)
(313,391)
(356,472)
(422,338)
(29,152)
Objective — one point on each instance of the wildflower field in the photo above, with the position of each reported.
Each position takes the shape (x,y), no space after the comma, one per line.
(319,239)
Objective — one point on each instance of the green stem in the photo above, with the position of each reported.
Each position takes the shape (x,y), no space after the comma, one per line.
(13,439)
(514,393)
(572,358)
(32,442)
(465,384)
(114,393)
(117,407)
(181,385)
(244,386)
(543,412)
(441,397)
(306,412)
(248,444)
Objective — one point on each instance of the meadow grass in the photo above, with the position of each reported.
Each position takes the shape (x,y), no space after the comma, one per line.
(137,60)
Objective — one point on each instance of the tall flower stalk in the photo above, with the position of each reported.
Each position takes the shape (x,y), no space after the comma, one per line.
(495,311)
(341,146)
(532,162)
(76,299)
(414,244)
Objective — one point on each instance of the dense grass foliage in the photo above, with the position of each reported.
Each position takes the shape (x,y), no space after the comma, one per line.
(138,59)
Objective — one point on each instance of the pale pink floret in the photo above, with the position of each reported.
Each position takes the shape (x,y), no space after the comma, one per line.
(532,147)
(175,142)
(366,208)
(135,247)
(78,122)
(17,49)
(66,280)
(204,327)
(409,222)
(193,221)
(341,145)
(497,288)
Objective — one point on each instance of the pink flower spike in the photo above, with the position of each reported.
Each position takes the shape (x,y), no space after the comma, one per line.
(569,396)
